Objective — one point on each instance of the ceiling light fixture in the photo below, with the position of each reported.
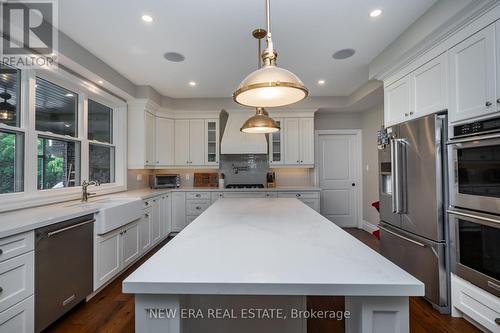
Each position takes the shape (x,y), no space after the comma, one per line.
(147,18)
(192,83)
(7,110)
(321,82)
(343,54)
(174,56)
(260,123)
(100,81)
(69,95)
(375,13)
(270,86)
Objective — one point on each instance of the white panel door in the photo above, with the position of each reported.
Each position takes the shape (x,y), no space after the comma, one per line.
(397,99)
(197,142)
(164,141)
(472,76)
(430,86)
(276,144)
(181,142)
(306,140)
(130,243)
(178,211)
(19,318)
(145,230)
(292,151)
(211,141)
(149,120)
(156,221)
(107,259)
(166,223)
(338,164)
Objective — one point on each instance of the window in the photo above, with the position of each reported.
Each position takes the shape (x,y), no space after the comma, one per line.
(9,95)
(58,163)
(100,122)
(11,162)
(102,163)
(56,109)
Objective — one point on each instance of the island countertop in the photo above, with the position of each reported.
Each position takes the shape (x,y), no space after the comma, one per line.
(268,247)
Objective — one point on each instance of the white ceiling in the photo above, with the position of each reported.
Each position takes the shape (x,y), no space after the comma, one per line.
(215,37)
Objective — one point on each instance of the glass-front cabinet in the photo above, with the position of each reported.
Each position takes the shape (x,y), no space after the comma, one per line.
(211,142)
(276,145)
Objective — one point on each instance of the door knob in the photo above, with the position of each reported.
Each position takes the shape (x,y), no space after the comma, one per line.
(498,100)
(353,184)
(488,104)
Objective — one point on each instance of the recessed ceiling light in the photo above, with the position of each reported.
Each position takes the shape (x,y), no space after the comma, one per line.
(192,83)
(174,56)
(100,81)
(147,18)
(321,82)
(375,13)
(343,54)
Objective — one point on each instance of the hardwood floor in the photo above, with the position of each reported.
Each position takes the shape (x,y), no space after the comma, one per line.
(111,311)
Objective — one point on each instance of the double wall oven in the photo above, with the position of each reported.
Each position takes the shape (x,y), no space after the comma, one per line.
(474,212)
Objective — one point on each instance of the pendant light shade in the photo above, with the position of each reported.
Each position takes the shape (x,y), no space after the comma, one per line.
(7,110)
(260,123)
(270,85)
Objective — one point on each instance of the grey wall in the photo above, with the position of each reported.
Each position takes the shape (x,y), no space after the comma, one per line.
(337,120)
(371,121)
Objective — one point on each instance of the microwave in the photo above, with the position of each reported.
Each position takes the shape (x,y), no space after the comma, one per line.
(165,181)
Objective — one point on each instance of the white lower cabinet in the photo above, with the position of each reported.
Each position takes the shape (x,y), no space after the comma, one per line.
(145,230)
(19,318)
(178,211)
(156,220)
(166,217)
(16,279)
(114,251)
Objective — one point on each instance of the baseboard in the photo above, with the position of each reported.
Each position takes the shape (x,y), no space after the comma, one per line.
(368,227)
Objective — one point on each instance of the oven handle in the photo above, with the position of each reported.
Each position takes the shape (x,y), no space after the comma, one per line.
(402,237)
(474,138)
(472,216)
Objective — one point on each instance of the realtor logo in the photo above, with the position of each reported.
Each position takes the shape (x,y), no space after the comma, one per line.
(29,33)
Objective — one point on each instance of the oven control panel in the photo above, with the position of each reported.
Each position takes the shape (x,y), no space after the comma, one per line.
(478,127)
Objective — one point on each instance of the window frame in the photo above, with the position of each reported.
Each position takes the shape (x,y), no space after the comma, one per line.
(31,196)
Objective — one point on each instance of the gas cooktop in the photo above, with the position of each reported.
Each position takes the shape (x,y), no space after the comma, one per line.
(245,186)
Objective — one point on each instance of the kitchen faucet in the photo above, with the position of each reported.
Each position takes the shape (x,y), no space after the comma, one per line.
(85,184)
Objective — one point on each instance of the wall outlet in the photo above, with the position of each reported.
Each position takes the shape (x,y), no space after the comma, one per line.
(139,177)
(187,176)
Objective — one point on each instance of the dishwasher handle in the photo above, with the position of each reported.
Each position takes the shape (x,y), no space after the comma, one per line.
(55,232)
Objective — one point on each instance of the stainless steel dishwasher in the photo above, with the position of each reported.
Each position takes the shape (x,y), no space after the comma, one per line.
(63,268)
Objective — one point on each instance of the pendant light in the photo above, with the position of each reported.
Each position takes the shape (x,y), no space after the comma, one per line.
(260,123)
(7,110)
(270,86)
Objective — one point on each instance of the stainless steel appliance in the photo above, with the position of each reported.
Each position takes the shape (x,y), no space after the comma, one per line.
(165,181)
(475,167)
(413,232)
(475,203)
(63,268)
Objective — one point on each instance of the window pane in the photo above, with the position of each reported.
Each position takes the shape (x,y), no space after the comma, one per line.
(56,109)
(100,122)
(9,95)
(58,163)
(11,162)
(102,163)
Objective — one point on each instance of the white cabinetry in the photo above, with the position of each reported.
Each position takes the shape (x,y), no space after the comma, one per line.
(178,211)
(145,224)
(166,217)
(473,86)
(114,251)
(211,141)
(20,318)
(276,144)
(422,92)
(149,121)
(156,220)
(312,198)
(164,141)
(190,142)
(299,141)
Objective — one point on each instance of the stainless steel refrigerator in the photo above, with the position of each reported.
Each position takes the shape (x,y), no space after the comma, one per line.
(413,195)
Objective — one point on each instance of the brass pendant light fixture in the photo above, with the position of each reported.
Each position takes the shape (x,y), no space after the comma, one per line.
(270,86)
(7,110)
(260,123)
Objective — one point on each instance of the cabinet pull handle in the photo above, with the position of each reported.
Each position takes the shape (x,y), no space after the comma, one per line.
(147,215)
(406,114)
(1,251)
(1,289)
(497,321)
(488,104)
(297,195)
(198,207)
(198,195)
(411,113)
(498,100)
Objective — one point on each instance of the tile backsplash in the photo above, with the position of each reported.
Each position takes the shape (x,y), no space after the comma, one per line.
(244,168)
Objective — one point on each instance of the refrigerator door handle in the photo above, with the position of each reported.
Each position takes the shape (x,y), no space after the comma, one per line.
(394,183)
(398,161)
(402,237)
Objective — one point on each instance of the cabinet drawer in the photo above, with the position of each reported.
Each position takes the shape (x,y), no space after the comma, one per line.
(17,244)
(16,279)
(20,318)
(299,195)
(195,207)
(198,195)
(476,303)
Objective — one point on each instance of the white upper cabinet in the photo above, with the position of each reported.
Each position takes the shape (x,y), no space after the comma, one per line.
(182,142)
(211,141)
(164,141)
(473,87)
(429,87)
(276,144)
(397,101)
(299,141)
(197,142)
(150,142)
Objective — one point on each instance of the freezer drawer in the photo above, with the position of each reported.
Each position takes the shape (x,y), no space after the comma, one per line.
(421,258)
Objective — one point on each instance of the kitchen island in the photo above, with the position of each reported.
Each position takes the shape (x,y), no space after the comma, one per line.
(267,254)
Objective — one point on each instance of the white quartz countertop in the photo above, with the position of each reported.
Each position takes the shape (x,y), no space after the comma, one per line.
(268,247)
(23,220)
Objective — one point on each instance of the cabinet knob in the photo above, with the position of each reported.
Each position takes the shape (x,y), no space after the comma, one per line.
(298,161)
(406,114)
(498,100)
(488,104)
(497,321)
(411,113)
(147,215)
(147,161)
(353,184)
(301,161)
(198,207)
(297,195)
(1,289)
(1,251)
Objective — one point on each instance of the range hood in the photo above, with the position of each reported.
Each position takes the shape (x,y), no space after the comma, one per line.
(236,142)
